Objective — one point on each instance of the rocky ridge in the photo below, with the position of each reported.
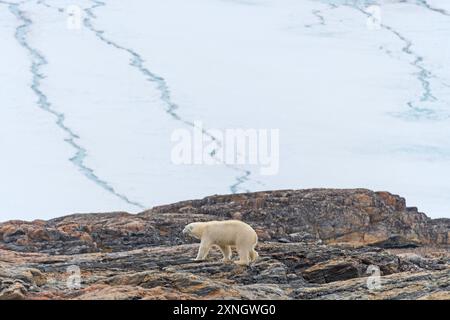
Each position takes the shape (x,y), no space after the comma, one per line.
(314,244)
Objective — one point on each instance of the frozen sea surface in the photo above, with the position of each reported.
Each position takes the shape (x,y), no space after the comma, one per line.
(360,91)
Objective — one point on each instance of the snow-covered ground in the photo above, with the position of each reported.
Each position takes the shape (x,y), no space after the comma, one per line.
(359,90)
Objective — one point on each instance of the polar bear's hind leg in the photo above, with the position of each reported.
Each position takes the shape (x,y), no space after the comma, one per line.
(243,257)
(226,251)
(253,255)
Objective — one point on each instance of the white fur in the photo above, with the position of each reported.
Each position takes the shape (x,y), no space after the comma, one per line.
(225,234)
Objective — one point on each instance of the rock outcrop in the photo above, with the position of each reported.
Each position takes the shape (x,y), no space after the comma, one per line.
(314,244)
(357,216)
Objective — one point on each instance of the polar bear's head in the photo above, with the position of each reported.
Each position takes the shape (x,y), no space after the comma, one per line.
(194,229)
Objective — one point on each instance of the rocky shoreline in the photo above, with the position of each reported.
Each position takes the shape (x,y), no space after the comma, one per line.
(314,244)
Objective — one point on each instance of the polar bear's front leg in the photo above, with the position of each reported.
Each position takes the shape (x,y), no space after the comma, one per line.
(203,250)
(226,251)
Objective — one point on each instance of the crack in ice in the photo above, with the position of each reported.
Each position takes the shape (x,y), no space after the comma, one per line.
(138,62)
(37,62)
(423,75)
(425,4)
(320,18)
(319,15)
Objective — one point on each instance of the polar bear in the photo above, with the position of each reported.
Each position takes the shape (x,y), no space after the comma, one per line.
(225,234)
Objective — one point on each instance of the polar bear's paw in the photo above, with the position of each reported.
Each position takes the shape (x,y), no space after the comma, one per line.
(198,260)
(242,263)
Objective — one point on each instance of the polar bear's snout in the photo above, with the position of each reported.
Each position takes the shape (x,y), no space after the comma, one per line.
(187,231)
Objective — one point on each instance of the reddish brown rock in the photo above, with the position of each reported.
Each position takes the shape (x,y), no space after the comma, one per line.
(314,244)
(356,216)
